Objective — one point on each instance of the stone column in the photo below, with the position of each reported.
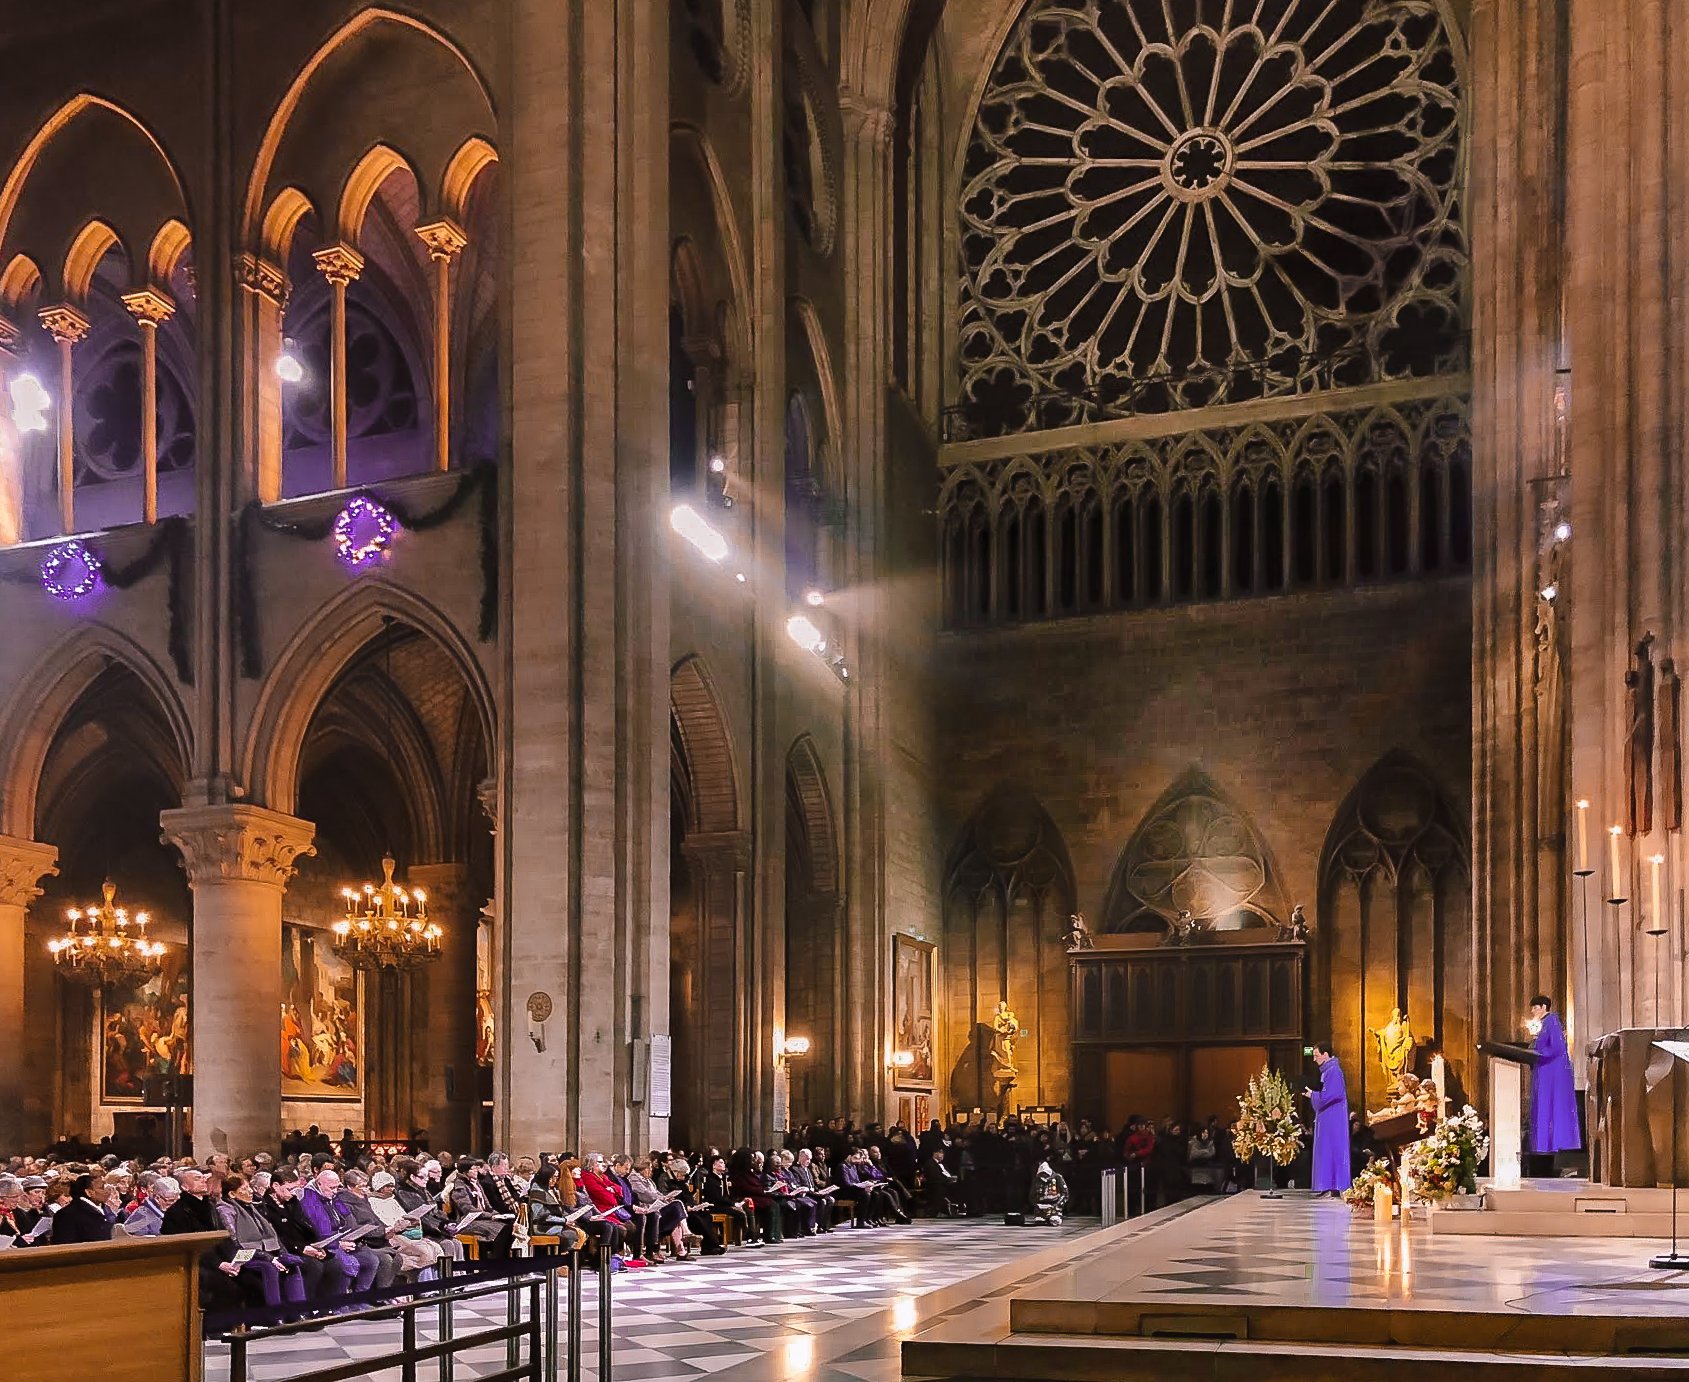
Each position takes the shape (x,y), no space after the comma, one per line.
(238,860)
(150,309)
(23,864)
(721,1067)
(11,443)
(340,265)
(866,241)
(583,776)
(443,1006)
(445,241)
(67,326)
(262,300)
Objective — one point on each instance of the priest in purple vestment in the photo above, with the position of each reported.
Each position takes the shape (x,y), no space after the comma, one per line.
(1554,1101)
(1331,1125)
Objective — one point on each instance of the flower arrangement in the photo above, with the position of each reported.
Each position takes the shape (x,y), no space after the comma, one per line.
(1267,1124)
(1445,1163)
(1374,1174)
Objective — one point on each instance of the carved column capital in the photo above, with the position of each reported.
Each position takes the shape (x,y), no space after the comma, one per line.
(260,276)
(339,264)
(238,843)
(11,339)
(444,238)
(23,864)
(66,324)
(149,307)
(487,795)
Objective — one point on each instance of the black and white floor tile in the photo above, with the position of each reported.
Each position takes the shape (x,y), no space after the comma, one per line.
(764,1311)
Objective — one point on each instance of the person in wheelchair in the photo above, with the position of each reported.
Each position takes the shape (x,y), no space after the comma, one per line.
(1048,1198)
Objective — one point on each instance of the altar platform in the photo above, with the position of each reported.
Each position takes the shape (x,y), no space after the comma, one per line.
(1566,1208)
(1261,1289)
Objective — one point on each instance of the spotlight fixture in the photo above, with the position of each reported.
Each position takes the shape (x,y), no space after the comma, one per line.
(902,1060)
(804,633)
(1562,531)
(29,404)
(718,466)
(741,577)
(686,521)
(289,368)
(1550,592)
(795,1046)
(814,599)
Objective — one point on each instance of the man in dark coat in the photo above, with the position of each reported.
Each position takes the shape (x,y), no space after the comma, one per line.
(84,1219)
(323,1271)
(195,1213)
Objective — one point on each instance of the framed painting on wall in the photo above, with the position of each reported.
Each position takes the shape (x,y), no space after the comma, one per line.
(923,1114)
(484,1021)
(905,1110)
(912,997)
(144,1030)
(321,1019)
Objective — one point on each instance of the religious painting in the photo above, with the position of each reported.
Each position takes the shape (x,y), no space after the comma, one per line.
(923,1112)
(484,1030)
(144,1030)
(321,1027)
(912,996)
(906,1110)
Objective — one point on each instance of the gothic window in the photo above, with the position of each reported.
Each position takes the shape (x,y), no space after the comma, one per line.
(1272,532)
(953,564)
(1034,564)
(1169,206)
(1008,889)
(1304,527)
(1091,536)
(1333,520)
(1210,547)
(1069,561)
(1195,851)
(1398,520)
(1395,915)
(1460,508)
(108,422)
(1243,537)
(1366,524)
(1184,546)
(979,566)
(1126,584)
(802,501)
(381,396)
(1151,587)
(1431,513)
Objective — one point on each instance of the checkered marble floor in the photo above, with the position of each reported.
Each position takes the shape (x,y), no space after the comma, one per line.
(759,1312)
(1298,1251)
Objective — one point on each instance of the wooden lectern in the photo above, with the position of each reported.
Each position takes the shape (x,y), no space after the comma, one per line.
(1634,1092)
(124,1311)
(1507,1110)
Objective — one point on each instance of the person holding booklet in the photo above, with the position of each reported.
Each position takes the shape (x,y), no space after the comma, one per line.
(337,1232)
(472,1214)
(259,1257)
(664,1214)
(405,1232)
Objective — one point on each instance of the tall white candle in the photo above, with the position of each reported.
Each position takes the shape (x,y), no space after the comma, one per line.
(1617,887)
(1583,836)
(1656,917)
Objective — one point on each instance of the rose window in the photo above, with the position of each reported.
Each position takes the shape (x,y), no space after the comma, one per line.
(1165,206)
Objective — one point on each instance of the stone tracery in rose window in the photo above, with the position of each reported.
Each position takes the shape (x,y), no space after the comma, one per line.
(1170,205)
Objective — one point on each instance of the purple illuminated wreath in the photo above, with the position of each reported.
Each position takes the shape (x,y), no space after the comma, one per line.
(70,571)
(363,532)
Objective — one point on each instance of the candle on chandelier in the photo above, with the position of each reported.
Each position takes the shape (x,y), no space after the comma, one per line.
(1655,915)
(1616,891)
(1583,837)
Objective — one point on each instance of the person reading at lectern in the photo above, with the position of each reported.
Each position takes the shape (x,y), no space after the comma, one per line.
(1331,1125)
(1554,1102)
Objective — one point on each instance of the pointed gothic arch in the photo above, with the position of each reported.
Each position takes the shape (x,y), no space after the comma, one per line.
(1395,919)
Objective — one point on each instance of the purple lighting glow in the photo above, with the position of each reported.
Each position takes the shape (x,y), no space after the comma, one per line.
(70,571)
(363,532)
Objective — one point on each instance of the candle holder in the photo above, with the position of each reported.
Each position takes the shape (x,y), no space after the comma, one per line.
(1583,870)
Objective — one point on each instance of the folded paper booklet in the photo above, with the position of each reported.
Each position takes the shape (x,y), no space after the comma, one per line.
(330,1241)
(362,1231)
(580,1213)
(466,1221)
(41,1230)
(7,1239)
(244,1256)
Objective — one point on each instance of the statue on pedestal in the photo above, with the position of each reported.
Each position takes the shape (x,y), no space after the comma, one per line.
(1297,929)
(1078,934)
(1006,1030)
(1639,741)
(1395,1047)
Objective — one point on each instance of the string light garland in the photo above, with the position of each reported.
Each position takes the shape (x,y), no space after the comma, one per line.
(363,532)
(70,571)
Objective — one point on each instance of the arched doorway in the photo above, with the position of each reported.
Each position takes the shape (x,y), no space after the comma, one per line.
(390,764)
(113,764)
(709,857)
(815,969)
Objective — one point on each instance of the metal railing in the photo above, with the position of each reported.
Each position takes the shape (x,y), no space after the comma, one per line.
(530,1282)
(1123,1191)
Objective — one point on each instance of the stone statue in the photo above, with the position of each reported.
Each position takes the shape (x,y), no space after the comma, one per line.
(1395,1046)
(1671,745)
(1078,934)
(1298,928)
(1006,1030)
(1639,756)
(1550,690)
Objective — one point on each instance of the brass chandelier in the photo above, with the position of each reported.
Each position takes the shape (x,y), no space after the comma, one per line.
(386,926)
(105,944)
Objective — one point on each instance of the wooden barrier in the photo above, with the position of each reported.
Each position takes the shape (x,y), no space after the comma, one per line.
(124,1311)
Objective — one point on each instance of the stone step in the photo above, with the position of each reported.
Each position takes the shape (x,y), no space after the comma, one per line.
(1548,1223)
(1585,1199)
(1093,1358)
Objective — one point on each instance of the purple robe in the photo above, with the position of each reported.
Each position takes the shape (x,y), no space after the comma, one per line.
(1554,1102)
(1331,1130)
